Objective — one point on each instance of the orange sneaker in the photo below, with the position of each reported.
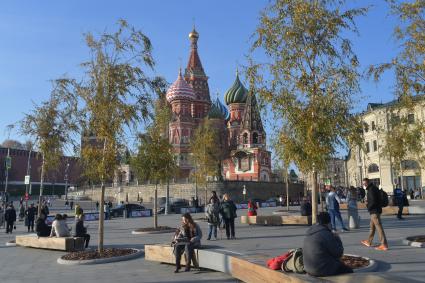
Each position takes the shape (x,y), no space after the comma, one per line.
(382,248)
(366,243)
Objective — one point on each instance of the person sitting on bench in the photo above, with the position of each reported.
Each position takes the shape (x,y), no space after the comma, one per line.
(186,240)
(81,231)
(59,227)
(323,249)
(41,228)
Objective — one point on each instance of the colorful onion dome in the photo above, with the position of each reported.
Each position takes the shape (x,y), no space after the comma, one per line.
(180,89)
(237,93)
(215,112)
(222,108)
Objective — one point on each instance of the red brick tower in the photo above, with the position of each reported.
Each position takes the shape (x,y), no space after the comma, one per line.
(195,76)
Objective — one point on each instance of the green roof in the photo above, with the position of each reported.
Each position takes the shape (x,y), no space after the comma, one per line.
(237,93)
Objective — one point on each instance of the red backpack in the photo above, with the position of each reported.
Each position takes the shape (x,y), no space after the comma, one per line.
(276,262)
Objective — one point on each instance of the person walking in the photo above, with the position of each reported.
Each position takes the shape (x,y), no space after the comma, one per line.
(97,205)
(78,210)
(374,206)
(71,204)
(399,201)
(186,240)
(332,203)
(30,214)
(10,218)
(212,212)
(228,213)
(81,231)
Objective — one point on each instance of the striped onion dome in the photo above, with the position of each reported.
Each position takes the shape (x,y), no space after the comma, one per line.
(180,89)
(237,93)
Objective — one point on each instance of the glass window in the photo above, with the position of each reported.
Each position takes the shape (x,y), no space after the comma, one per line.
(373,126)
(375,146)
(367,147)
(411,118)
(373,168)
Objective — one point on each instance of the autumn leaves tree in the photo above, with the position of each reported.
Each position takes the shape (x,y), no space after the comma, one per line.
(114,96)
(309,78)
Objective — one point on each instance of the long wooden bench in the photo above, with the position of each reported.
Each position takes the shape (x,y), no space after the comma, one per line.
(393,210)
(276,220)
(252,268)
(360,205)
(62,244)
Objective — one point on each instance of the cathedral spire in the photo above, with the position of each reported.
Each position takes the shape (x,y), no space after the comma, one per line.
(252,118)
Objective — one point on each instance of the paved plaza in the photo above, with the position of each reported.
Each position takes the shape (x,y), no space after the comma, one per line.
(17,264)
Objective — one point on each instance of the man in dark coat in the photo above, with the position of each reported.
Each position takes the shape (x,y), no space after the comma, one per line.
(81,231)
(323,249)
(374,206)
(228,213)
(30,214)
(42,229)
(10,218)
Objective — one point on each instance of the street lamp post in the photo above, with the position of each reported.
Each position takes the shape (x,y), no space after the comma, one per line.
(66,180)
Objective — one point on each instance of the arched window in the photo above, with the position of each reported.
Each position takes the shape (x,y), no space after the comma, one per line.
(373,168)
(245,138)
(255,138)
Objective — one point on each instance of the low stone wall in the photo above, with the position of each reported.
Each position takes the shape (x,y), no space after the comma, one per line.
(254,190)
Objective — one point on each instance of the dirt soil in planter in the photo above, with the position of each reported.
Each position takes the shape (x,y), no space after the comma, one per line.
(420,239)
(151,229)
(354,261)
(107,253)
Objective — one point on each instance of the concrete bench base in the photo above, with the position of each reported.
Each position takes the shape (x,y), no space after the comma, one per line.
(252,268)
(62,244)
(276,220)
(360,205)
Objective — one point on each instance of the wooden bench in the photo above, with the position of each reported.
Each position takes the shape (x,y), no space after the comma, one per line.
(393,210)
(252,268)
(276,220)
(360,205)
(68,244)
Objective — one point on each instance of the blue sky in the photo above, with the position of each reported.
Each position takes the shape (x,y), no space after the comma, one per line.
(42,40)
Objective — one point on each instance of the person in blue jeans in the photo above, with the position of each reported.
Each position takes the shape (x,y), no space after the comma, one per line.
(332,203)
(212,214)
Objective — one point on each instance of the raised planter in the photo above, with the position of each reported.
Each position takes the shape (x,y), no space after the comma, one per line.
(372,264)
(72,258)
(151,230)
(415,241)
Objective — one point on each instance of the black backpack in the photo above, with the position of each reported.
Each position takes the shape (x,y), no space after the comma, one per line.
(384,198)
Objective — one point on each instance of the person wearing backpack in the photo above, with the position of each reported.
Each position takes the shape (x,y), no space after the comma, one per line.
(374,206)
(323,249)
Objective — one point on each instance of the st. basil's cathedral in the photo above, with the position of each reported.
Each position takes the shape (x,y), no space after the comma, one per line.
(238,124)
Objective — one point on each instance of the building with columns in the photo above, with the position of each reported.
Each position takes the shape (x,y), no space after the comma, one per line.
(244,148)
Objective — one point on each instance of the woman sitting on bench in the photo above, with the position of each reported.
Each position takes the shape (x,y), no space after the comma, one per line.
(186,240)
(59,227)
(80,230)
(42,229)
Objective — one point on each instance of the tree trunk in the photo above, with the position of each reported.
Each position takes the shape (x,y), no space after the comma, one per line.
(206,194)
(167,198)
(155,209)
(101,218)
(287,189)
(314,198)
(41,186)
(401,177)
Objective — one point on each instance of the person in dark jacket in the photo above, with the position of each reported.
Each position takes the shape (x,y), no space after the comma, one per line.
(305,207)
(374,206)
(228,212)
(30,214)
(323,249)
(10,218)
(215,197)
(41,228)
(399,201)
(81,231)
